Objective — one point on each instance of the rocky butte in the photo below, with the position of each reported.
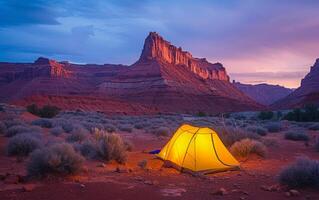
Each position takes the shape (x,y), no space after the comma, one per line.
(165,79)
(307,93)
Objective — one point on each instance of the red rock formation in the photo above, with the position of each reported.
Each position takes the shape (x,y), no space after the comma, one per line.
(307,93)
(155,47)
(164,79)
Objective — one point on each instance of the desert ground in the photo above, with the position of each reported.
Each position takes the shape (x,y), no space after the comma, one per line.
(143,175)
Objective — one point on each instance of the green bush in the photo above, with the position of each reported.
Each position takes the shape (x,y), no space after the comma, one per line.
(46,111)
(309,113)
(296,135)
(303,173)
(245,147)
(266,115)
(22,145)
(78,135)
(56,159)
(201,114)
(126,128)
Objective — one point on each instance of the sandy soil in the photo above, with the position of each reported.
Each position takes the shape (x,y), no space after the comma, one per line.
(157,182)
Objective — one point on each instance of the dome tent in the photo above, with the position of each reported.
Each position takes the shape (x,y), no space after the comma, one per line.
(198,150)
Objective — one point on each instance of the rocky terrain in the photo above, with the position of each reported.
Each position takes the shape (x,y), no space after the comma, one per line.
(265,94)
(164,79)
(307,93)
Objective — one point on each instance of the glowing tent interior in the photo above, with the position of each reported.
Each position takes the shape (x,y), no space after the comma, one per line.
(198,150)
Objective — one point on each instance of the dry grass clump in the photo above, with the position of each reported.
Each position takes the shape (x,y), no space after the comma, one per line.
(56,159)
(303,173)
(230,135)
(245,147)
(22,144)
(162,131)
(105,146)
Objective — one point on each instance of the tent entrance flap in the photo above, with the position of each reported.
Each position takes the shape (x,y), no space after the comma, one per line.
(197,149)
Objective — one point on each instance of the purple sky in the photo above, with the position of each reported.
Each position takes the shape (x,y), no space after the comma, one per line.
(273,41)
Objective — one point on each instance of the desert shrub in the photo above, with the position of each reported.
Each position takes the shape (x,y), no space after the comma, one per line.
(13,122)
(314,127)
(56,131)
(55,159)
(109,128)
(22,144)
(18,129)
(230,135)
(45,123)
(317,144)
(46,111)
(66,125)
(257,129)
(139,126)
(105,146)
(303,173)
(161,131)
(77,135)
(269,142)
(3,128)
(126,128)
(273,127)
(245,147)
(296,135)
(265,115)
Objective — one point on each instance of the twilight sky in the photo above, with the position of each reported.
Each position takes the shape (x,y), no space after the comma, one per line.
(273,41)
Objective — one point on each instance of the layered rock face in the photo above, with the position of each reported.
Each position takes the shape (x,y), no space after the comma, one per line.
(155,47)
(165,79)
(307,93)
(264,93)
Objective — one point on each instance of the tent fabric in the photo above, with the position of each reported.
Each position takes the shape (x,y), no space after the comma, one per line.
(198,149)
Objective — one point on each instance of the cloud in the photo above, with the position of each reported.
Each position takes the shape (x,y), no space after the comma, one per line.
(245,35)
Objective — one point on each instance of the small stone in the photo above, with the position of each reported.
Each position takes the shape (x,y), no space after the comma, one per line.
(287,194)
(28,187)
(82,185)
(265,188)
(148,182)
(294,192)
(101,165)
(121,169)
(242,198)
(155,182)
(220,191)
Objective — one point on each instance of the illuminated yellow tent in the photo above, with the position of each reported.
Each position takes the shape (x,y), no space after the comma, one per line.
(198,150)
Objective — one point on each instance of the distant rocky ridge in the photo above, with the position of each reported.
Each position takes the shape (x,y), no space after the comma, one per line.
(307,93)
(164,79)
(265,94)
